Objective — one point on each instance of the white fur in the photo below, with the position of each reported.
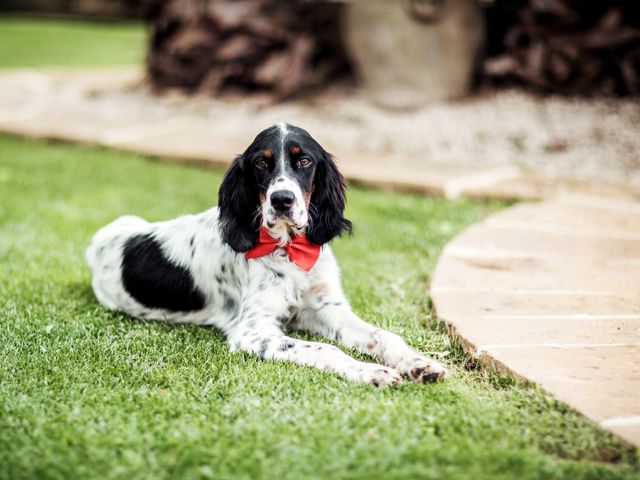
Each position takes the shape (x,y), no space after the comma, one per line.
(271,294)
(284,131)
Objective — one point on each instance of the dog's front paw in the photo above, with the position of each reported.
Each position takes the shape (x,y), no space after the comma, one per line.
(423,369)
(378,375)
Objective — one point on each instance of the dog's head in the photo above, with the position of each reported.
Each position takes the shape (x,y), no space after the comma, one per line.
(286,182)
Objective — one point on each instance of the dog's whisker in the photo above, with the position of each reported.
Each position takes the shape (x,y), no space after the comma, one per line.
(256,215)
(313,208)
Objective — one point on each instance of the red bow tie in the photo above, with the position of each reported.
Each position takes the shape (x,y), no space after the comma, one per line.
(300,250)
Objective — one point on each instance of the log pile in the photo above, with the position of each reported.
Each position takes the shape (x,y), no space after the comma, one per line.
(213,47)
(283,47)
(98,9)
(565,46)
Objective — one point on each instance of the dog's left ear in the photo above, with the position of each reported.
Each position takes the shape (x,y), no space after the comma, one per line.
(238,202)
(328,201)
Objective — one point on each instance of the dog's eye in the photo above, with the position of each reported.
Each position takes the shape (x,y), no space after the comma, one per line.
(261,164)
(303,162)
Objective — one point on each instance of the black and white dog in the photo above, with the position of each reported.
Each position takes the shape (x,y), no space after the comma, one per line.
(256,266)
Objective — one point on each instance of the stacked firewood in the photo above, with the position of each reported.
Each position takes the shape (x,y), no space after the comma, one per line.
(237,46)
(283,47)
(103,9)
(566,46)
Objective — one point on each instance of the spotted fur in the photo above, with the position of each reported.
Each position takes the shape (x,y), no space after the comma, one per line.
(192,269)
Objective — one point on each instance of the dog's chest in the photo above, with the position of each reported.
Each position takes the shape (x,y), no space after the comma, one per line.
(277,280)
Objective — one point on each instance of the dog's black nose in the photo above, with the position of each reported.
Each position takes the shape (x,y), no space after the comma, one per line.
(282,200)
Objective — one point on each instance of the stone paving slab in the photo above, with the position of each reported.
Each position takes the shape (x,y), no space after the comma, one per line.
(382,170)
(539,274)
(48,125)
(544,187)
(492,301)
(486,332)
(577,218)
(498,240)
(192,143)
(551,292)
(81,80)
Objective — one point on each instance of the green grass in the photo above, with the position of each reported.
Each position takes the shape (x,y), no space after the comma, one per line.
(86,393)
(26,42)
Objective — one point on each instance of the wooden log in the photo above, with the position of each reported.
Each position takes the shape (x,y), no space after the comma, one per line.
(266,46)
(566,46)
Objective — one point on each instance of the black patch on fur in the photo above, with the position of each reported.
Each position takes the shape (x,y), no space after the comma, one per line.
(286,346)
(238,201)
(229,303)
(154,281)
(430,377)
(264,344)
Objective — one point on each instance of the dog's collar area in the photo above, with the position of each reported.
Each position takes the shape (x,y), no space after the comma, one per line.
(300,250)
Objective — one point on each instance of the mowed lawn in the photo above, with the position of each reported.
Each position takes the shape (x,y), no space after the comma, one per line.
(87,393)
(30,42)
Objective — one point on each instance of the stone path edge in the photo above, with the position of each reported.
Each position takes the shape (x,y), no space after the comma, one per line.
(527,301)
(489,363)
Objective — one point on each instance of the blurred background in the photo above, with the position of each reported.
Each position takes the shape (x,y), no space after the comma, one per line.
(548,87)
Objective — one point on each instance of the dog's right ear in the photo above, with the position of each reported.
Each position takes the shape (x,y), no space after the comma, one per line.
(238,202)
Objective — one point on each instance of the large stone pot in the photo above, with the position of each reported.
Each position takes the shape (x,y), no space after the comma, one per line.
(410,52)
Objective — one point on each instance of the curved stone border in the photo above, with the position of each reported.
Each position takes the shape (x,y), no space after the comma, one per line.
(551,293)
